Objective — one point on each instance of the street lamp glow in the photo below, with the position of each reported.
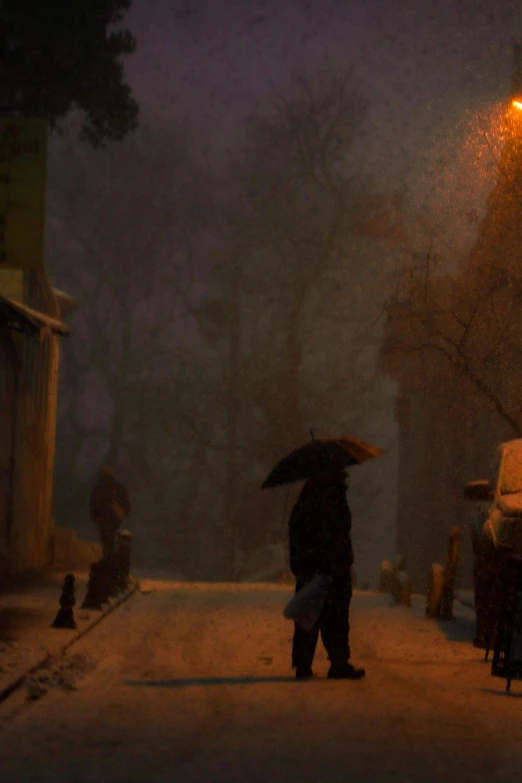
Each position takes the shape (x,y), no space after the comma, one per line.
(516,103)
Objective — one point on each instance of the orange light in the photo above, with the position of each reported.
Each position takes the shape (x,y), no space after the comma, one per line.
(516,103)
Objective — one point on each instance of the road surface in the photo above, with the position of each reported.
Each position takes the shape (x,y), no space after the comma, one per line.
(192,683)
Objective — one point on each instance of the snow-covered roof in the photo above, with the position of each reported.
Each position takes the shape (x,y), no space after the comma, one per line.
(18,316)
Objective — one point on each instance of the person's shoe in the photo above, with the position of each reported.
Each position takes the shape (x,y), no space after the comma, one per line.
(345,671)
(303,672)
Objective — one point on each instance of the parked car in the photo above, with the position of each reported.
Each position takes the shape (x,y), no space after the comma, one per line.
(497,523)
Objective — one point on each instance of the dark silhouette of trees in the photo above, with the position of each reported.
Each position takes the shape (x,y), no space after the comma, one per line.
(294,316)
(125,238)
(221,315)
(57,56)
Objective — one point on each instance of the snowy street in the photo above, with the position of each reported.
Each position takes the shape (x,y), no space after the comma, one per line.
(192,683)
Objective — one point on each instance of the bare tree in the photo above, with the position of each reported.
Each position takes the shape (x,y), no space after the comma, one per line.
(465,326)
(292,214)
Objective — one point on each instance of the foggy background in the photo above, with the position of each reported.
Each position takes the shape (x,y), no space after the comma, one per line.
(230,294)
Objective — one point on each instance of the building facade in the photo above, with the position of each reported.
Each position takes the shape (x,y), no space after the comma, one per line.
(31,325)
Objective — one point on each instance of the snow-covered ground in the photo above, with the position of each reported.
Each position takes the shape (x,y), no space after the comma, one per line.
(192,683)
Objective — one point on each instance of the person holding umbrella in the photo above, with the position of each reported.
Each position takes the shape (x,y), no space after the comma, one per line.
(320,544)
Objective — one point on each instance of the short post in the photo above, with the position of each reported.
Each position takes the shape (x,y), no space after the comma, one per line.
(394,580)
(123,550)
(403,588)
(65,616)
(111,574)
(97,593)
(386,577)
(450,573)
(397,568)
(435,589)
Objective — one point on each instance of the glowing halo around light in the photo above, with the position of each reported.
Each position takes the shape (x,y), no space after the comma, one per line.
(516,103)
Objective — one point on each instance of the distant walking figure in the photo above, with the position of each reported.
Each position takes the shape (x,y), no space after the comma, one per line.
(109,505)
(320,542)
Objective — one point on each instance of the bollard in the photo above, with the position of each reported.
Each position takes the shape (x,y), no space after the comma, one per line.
(398,567)
(435,589)
(96,587)
(123,549)
(65,616)
(386,577)
(403,589)
(111,575)
(400,564)
(450,572)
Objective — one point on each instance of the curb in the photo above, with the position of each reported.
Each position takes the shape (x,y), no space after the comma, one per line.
(8,690)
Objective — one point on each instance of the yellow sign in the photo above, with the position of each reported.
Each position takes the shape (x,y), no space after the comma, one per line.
(23,158)
(12,283)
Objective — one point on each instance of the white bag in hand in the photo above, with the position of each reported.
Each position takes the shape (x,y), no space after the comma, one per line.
(306,605)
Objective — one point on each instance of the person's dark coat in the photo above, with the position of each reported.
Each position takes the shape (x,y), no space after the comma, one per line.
(320,542)
(320,530)
(108,507)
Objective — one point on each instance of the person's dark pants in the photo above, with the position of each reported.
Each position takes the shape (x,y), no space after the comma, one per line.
(333,624)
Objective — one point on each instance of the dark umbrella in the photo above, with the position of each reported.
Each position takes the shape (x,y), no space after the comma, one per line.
(320,456)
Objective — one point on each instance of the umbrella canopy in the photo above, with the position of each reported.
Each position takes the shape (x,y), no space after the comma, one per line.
(320,456)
